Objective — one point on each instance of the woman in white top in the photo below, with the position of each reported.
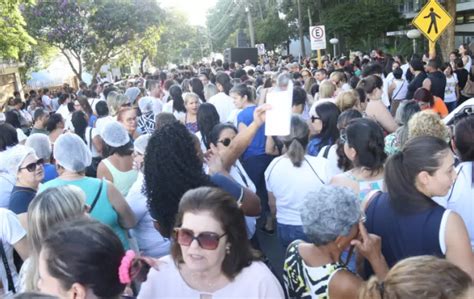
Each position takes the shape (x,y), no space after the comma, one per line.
(211,256)
(466,56)
(397,91)
(221,137)
(222,101)
(12,236)
(176,103)
(289,178)
(150,242)
(451,92)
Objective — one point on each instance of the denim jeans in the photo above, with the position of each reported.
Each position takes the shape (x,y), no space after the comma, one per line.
(451,106)
(288,233)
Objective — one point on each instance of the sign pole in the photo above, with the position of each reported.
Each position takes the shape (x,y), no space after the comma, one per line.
(319,59)
(432,50)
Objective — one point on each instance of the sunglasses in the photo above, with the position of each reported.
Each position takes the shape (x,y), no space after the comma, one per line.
(206,240)
(225,142)
(32,166)
(313,118)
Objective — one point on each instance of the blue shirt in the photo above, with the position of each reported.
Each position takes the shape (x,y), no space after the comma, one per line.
(20,199)
(257,146)
(50,172)
(228,185)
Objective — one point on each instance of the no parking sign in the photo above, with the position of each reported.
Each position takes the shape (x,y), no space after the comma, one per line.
(317,35)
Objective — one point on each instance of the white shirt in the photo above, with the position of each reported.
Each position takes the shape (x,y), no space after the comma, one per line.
(149,240)
(401,89)
(46,102)
(64,111)
(460,198)
(290,184)
(7,182)
(238,173)
(90,134)
(11,233)
(450,90)
(385,99)
(254,281)
(332,158)
(157,106)
(224,105)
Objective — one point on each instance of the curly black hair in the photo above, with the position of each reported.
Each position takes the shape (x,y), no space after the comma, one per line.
(172,167)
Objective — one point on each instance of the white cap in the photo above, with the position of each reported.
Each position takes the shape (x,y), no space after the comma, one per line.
(114,134)
(146,104)
(12,158)
(71,152)
(141,143)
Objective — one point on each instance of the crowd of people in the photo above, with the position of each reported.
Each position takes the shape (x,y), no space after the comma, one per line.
(156,186)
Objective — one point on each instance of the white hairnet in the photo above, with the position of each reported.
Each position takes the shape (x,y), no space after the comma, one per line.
(141,143)
(41,144)
(146,104)
(12,158)
(114,134)
(71,152)
(132,93)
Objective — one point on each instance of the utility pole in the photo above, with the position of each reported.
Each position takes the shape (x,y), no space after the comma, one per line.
(251,32)
(300,27)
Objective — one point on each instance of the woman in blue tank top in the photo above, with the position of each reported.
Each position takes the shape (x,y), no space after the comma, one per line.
(409,222)
(106,203)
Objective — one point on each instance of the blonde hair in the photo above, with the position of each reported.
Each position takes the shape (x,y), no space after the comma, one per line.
(115,101)
(188,96)
(421,277)
(49,208)
(347,100)
(427,123)
(337,76)
(308,83)
(326,89)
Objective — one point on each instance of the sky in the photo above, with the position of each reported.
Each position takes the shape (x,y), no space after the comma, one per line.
(195,10)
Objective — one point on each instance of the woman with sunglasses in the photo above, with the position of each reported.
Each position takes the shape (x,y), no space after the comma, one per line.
(332,222)
(324,125)
(221,137)
(211,256)
(29,175)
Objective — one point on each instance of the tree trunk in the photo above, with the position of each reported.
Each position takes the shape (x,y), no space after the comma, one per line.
(77,72)
(447,40)
(300,29)
(142,62)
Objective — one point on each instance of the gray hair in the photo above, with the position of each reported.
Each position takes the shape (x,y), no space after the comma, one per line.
(283,80)
(41,144)
(297,141)
(329,213)
(404,112)
(209,91)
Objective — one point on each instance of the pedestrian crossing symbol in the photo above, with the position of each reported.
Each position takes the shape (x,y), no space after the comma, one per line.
(432,20)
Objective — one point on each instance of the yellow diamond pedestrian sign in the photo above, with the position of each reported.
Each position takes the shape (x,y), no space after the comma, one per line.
(432,20)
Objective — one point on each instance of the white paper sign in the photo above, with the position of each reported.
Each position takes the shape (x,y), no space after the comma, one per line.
(278,119)
(318,37)
(260,49)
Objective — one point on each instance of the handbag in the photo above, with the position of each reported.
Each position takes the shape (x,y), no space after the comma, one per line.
(11,285)
(468,90)
(91,170)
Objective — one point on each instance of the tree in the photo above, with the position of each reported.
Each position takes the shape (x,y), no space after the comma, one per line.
(271,30)
(91,33)
(63,24)
(364,27)
(447,40)
(14,39)
(115,24)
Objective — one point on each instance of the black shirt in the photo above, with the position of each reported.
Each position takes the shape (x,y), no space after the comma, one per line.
(462,74)
(416,83)
(438,84)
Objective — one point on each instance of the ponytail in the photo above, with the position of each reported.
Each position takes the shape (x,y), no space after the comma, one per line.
(296,152)
(297,141)
(372,289)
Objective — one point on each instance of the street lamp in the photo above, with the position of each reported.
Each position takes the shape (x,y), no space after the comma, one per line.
(333,42)
(413,35)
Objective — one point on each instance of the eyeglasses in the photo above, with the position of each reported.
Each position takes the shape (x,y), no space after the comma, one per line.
(225,142)
(206,240)
(313,118)
(32,166)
